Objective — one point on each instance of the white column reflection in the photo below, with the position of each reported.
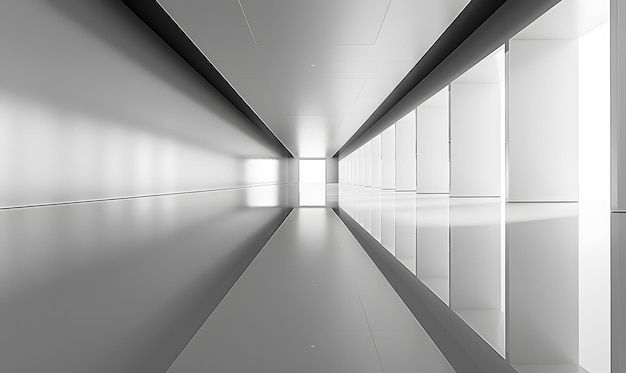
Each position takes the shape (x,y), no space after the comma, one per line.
(376,205)
(543,296)
(455,247)
(433,238)
(406,226)
(475,266)
(388,220)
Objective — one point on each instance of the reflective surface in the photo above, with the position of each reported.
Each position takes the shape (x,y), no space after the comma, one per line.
(122,286)
(510,271)
(94,105)
(311,301)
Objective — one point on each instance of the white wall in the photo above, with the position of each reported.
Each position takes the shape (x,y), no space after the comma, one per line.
(94,105)
(433,239)
(475,126)
(91,111)
(405,153)
(350,168)
(376,161)
(543,120)
(388,164)
(594,200)
(433,158)
(367,159)
(360,167)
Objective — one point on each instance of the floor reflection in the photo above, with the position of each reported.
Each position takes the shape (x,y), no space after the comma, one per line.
(144,271)
(433,243)
(462,249)
(476,273)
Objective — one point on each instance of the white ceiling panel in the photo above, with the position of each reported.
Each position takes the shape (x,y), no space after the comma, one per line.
(257,95)
(319,22)
(314,70)
(306,96)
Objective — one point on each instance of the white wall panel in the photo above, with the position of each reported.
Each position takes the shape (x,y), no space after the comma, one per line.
(342,171)
(114,121)
(362,172)
(594,201)
(388,165)
(360,169)
(376,161)
(543,120)
(405,153)
(367,164)
(433,157)
(475,125)
(351,168)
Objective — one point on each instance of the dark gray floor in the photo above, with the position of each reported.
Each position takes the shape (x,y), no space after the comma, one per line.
(311,301)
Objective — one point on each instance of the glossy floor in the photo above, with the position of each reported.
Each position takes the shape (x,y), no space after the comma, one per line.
(122,285)
(311,301)
(530,278)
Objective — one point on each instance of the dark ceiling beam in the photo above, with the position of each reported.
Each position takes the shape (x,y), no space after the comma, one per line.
(153,15)
(482,26)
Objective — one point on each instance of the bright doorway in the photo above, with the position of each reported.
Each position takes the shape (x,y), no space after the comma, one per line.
(312,182)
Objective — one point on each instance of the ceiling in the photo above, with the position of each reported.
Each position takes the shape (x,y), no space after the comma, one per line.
(313,71)
(569,19)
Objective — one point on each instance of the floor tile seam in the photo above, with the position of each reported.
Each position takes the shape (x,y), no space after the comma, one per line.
(372,335)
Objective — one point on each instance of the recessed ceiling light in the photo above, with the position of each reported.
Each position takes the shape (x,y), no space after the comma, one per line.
(313,65)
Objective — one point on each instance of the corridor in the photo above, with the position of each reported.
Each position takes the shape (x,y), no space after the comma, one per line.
(156,160)
(311,301)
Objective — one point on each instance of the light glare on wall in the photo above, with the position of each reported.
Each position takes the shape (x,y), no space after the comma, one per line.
(262,171)
(262,196)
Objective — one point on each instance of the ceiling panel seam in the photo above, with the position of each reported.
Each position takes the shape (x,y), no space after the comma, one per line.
(383,22)
(247,22)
